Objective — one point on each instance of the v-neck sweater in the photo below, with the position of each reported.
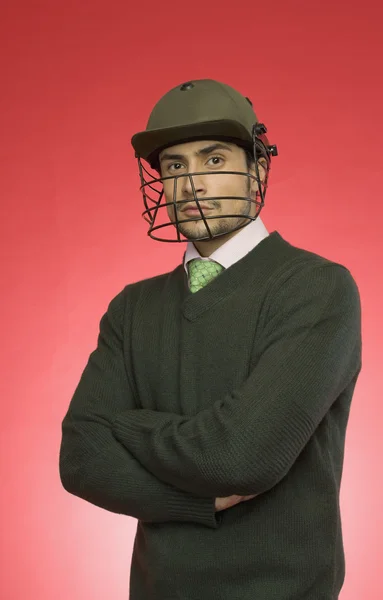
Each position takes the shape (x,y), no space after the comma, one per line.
(241,388)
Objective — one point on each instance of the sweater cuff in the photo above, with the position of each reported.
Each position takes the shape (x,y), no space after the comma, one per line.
(182,506)
(192,508)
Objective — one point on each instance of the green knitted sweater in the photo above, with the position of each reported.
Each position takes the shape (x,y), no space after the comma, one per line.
(241,388)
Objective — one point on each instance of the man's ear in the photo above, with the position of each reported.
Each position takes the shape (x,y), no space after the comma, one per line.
(262,167)
(262,162)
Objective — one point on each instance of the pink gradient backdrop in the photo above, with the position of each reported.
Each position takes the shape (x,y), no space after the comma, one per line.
(78,79)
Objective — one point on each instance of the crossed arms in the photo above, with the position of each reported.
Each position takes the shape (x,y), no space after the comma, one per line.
(160,466)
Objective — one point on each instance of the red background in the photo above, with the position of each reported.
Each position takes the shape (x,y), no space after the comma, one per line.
(78,79)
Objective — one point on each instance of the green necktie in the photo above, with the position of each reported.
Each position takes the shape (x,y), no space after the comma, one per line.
(201,272)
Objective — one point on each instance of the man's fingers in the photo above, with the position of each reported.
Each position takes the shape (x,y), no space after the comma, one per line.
(248,497)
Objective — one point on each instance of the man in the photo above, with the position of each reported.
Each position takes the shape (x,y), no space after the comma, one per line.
(214,408)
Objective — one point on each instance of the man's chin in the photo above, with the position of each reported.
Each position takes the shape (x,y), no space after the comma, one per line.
(197,229)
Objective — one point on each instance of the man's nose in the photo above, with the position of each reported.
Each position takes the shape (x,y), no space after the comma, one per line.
(187,182)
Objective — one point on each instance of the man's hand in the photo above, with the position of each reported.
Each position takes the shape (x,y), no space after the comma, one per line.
(223,503)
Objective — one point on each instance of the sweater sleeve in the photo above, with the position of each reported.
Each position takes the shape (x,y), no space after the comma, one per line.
(94,465)
(247,441)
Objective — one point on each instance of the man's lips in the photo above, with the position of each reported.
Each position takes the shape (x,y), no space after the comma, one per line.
(194,209)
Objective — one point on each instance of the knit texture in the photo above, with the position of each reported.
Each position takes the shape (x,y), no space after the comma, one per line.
(242,388)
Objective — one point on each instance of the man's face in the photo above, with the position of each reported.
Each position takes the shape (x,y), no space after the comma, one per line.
(210,157)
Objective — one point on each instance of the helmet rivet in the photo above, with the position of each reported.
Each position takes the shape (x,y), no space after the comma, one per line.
(186,86)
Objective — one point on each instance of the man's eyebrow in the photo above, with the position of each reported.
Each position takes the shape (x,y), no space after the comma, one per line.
(202,151)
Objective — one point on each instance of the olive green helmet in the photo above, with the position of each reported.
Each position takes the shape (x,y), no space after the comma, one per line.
(202,109)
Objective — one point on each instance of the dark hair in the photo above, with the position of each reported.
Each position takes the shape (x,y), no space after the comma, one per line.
(249,159)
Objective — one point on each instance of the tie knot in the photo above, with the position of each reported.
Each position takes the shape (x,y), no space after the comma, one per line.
(202,272)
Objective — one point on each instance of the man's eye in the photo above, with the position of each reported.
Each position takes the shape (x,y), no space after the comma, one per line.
(213,157)
(219,158)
